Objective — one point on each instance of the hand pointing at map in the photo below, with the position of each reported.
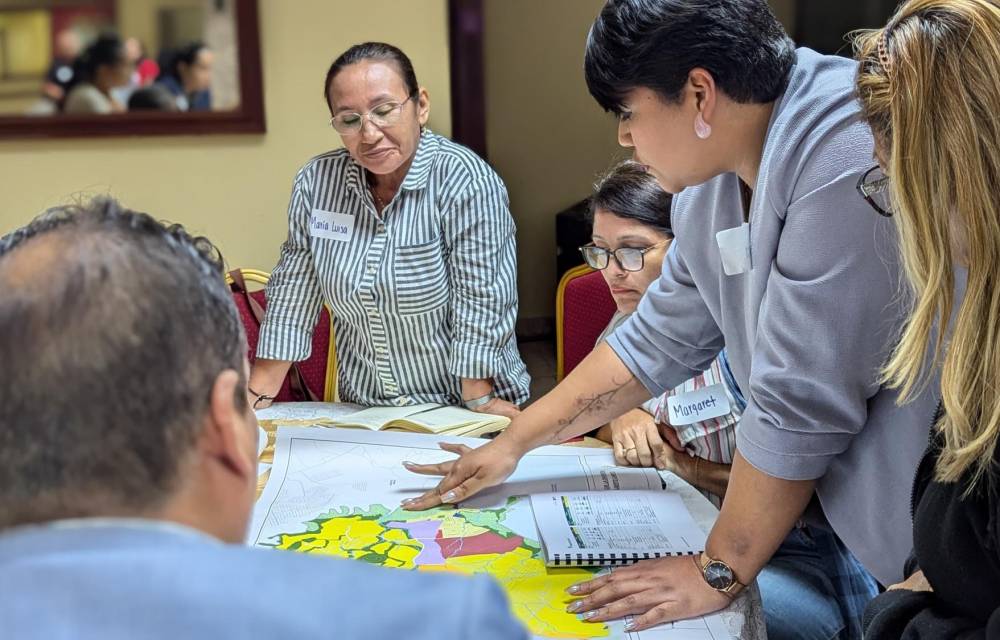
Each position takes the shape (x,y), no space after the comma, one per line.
(473,471)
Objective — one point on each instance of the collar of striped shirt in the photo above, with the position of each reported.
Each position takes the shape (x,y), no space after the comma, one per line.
(416,177)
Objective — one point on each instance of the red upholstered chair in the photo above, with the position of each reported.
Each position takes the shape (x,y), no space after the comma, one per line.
(584,307)
(319,371)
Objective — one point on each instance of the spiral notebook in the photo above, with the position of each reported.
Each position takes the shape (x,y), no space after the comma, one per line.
(602,528)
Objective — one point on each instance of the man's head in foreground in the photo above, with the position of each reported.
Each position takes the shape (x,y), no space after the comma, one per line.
(124,363)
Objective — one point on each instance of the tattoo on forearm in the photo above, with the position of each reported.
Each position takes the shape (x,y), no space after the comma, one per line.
(588,405)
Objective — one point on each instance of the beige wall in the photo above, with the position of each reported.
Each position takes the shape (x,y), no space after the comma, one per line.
(235,189)
(546,136)
(138,19)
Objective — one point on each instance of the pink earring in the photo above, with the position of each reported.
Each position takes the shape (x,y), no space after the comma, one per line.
(701,128)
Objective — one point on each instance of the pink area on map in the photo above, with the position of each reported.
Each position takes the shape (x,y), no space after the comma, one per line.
(425,531)
(488,542)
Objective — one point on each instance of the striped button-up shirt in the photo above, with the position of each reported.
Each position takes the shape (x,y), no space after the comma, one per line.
(422,295)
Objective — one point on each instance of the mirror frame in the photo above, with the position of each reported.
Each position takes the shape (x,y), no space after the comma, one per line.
(249,118)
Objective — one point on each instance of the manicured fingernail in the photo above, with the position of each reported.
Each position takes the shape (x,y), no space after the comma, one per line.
(449,497)
(407,463)
(589,615)
(629,626)
(574,589)
(574,606)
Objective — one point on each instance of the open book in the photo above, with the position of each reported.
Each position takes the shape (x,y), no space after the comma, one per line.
(599,528)
(423,418)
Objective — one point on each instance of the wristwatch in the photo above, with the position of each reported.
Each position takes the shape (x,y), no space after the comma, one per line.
(719,575)
(475,403)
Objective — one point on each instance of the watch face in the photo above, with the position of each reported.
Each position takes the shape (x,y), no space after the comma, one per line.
(719,576)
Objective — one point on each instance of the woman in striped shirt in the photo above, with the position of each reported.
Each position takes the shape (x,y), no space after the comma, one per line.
(408,238)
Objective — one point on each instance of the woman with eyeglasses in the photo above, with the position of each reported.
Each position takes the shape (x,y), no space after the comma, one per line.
(408,238)
(929,85)
(631,235)
(778,260)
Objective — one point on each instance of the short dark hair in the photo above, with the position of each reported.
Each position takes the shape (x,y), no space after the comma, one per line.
(113,329)
(155,97)
(171,60)
(629,191)
(107,50)
(373,51)
(655,44)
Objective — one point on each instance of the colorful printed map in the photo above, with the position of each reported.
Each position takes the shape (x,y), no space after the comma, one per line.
(336,491)
(463,540)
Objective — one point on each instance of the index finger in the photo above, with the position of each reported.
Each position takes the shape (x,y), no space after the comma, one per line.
(434,469)
(452,489)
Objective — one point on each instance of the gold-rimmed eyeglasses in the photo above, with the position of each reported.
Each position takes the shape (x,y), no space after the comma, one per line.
(381,115)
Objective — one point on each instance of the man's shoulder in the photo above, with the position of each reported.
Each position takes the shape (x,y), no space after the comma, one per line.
(149,591)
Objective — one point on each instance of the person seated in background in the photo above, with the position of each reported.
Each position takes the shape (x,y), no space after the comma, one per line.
(98,71)
(152,98)
(59,77)
(128,459)
(631,235)
(146,69)
(812,574)
(408,238)
(187,74)
(926,82)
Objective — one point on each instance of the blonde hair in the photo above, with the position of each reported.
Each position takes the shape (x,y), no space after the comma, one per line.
(929,84)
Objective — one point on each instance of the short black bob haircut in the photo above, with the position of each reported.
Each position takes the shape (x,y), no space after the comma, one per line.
(655,44)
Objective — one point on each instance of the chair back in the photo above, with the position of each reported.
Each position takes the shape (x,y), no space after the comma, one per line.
(319,371)
(584,307)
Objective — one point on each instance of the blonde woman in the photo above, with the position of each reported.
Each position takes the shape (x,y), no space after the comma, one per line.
(929,83)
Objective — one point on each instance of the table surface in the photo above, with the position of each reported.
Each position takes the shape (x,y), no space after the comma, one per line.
(743,617)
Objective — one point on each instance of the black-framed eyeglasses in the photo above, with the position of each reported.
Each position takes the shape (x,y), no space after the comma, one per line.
(628,258)
(381,115)
(874,188)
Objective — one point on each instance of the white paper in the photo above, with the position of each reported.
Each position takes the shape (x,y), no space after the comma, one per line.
(698,405)
(619,525)
(734,248)
(331,225)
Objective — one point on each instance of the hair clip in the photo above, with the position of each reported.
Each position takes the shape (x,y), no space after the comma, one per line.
(883,53)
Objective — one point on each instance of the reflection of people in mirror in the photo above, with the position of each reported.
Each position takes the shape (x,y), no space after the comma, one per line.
(146,69)
(152,98)
(102,67)
(187,74)
(60,74)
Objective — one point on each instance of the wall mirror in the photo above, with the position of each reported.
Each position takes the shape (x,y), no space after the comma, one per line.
(129,67)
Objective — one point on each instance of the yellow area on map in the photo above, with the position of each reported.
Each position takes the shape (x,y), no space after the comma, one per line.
(537,593)
(358,538)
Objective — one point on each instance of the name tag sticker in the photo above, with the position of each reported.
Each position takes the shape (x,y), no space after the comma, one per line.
(734,247)
(331,225)
(701,404)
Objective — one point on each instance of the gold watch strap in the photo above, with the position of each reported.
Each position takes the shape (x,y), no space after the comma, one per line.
(732,590)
